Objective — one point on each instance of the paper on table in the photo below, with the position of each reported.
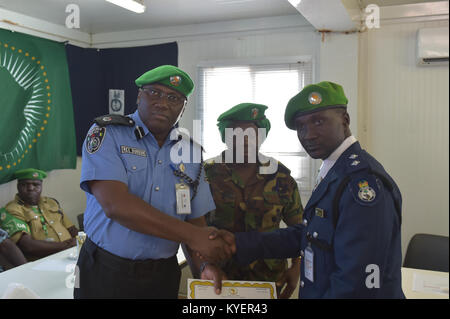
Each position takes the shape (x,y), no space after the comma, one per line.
(430,284)
(204,289)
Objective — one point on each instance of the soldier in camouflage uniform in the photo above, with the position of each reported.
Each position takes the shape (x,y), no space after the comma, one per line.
(248,200)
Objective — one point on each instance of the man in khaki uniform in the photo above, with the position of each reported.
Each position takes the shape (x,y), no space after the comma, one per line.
(37,224)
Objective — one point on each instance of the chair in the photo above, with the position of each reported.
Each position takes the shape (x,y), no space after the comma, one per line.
(80,219)
(428,252)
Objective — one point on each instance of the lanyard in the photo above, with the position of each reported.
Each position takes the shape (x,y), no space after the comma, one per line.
(180,173)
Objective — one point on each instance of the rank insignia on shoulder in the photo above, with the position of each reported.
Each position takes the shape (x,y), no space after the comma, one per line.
(94,139)
(366,193)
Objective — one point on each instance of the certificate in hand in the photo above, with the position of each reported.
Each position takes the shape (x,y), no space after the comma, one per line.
(204,289)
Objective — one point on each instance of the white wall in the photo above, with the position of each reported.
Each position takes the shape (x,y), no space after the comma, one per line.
(405,123)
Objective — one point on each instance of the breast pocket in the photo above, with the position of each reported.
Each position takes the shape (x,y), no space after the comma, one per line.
(273,209)
(136,167)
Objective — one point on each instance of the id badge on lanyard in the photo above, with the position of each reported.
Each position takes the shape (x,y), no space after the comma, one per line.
(309,263)
(183,196)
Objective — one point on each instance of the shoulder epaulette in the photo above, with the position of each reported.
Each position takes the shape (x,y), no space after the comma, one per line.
(283,168)
(114,119)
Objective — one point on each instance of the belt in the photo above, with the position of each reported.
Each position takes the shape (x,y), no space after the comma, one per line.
(125,265)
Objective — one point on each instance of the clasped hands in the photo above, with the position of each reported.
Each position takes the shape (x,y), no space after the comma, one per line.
(214,245)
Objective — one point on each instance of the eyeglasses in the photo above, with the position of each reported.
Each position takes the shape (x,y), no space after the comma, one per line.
(172,99)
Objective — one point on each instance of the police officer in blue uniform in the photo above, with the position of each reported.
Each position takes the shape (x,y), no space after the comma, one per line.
(144,196)
(349,240)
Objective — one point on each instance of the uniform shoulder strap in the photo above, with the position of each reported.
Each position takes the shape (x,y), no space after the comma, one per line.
(114,119)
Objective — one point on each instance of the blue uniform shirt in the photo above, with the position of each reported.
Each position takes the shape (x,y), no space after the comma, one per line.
(355,255)
(114,153)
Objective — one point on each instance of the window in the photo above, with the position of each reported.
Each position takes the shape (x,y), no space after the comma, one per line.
(273,85)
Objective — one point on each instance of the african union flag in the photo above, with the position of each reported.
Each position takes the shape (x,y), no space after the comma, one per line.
(36,114)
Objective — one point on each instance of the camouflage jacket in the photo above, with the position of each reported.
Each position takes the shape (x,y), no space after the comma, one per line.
(258,205)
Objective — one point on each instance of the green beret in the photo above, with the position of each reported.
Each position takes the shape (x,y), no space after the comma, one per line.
(243,112)
(170,76)
(30,173)
(314,98)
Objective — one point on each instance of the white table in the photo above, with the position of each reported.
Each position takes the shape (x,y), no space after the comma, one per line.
(50,277)
(408,280)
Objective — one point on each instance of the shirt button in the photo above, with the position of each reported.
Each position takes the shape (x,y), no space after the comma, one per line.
(133,168)
(159,162)
(315,235)
(59,234)
(302,284)
(157,188)
(51,222)
(305,222)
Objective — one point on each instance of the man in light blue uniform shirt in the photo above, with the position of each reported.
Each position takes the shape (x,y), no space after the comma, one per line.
(144,196)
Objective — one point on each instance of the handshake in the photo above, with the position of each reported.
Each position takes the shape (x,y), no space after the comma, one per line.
(214,245)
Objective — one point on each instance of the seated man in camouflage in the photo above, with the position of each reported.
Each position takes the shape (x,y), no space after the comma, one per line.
(36,224)
(248,199)
(9,250)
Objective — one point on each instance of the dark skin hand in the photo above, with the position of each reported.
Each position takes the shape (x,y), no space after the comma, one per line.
(12,253)
(211,272)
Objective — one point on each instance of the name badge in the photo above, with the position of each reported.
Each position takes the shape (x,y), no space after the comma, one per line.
(309,263)
(183,195)
(132,150)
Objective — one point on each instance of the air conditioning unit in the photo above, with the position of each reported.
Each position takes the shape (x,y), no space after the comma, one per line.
(432,46)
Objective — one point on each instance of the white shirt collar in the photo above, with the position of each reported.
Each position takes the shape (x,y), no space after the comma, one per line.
(329,162)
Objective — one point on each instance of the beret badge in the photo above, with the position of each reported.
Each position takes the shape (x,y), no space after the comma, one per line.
(255,113)
(315,98)
(175,80)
